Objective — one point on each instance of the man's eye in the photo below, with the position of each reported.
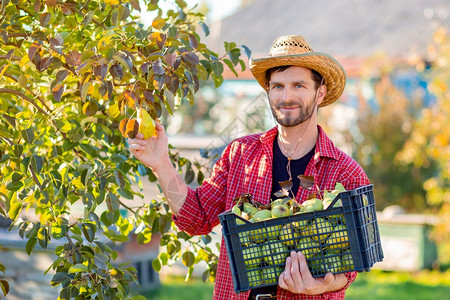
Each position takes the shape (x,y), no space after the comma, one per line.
(299,86)
(276,86)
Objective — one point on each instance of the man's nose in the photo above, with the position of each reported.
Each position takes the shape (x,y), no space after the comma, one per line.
(288,93)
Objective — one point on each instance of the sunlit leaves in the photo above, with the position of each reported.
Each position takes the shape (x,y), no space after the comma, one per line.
(79,71)
(116,71)
(73,58)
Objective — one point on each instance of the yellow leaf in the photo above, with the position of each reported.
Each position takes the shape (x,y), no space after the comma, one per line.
(112,2)
(158,23)
(2,71)
(24,60)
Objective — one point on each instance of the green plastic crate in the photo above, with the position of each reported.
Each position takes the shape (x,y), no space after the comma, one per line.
(339,239)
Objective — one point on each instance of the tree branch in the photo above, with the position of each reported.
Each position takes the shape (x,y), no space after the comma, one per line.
(12,57)
(14,92)
(31,92)
(127,207)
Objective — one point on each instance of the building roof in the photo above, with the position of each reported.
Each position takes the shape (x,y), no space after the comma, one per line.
(344,28)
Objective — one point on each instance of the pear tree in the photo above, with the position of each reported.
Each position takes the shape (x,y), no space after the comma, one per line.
(70,72)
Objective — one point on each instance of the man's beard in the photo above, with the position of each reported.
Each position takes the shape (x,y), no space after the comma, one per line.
(303,113)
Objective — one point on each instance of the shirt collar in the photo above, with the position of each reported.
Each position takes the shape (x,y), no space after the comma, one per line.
(324,146)
(269,136)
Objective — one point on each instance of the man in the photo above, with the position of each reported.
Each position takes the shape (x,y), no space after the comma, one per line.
(297,81)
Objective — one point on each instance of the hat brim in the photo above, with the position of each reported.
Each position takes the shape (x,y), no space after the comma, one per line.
(331,70)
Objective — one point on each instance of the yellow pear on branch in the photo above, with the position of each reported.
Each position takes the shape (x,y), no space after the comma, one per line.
(146,123)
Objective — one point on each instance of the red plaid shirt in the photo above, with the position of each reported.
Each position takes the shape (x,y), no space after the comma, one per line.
(246,167)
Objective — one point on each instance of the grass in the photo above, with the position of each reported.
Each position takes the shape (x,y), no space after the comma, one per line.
(174,288)
(400,285)
(372,285)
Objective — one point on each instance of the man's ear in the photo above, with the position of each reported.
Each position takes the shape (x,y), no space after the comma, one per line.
(322,93)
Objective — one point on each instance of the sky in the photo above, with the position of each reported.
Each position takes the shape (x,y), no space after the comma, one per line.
(219,8)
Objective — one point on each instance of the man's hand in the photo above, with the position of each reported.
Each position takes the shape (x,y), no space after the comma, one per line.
(297,278)
(153,151)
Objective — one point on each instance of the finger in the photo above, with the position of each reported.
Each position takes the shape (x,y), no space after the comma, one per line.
(136,147)
(289,280)
(328,279)
(295,268)
(158,126)
(137,141)
(282,282)
(304,270)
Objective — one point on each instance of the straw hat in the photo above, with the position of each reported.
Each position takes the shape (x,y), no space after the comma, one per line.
(294,50)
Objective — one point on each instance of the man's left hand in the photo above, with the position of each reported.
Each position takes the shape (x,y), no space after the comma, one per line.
(297,278)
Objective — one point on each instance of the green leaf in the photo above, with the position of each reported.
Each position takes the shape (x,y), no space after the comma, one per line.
(217,68)
(89,230)
(22,80)
(14,210)
(205,28)
(78,268)
(234,55)
(2,268)
(86,55)
(156,264)
(112,202)
(42,237)
(30,245)
(200,177)
(28,135)
(188,258)
(77,237)
(58,278)
(206,239)
(89,150)
(65,294)
(190,175)
(14,186)
(120,180)
(85,173)
(84,91)
(247,51)
(218,80)
(37,163)
(5,286)
(63,125)
(205,276)
(230,65)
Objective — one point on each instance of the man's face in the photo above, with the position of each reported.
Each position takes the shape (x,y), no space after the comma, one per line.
(291,96)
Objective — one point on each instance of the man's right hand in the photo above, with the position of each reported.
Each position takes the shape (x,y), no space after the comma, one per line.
(152,152)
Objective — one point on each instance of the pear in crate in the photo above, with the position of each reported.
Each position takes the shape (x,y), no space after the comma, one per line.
(347,261)
(274,253)
(308,246)
(237,211)
(280,210)
(288,235)
(270,275)
(332,262)
(249,209)
(339,238)
(313,204)
(254,277)
(319,229)
(252,256)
